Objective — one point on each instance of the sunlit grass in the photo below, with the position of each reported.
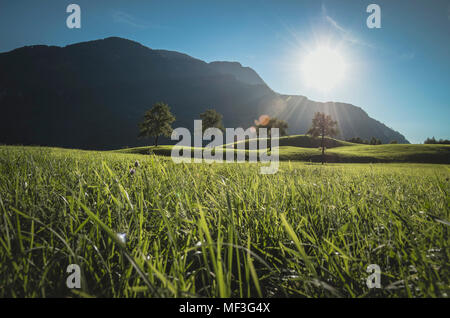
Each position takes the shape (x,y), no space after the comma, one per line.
(219,230)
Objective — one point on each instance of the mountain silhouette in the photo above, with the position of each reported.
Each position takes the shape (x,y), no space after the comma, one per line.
(91,95)
(243,74)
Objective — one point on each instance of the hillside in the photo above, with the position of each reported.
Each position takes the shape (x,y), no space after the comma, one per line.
(372,154)
(243,74)
(352,120)
(303,148)
(92,95)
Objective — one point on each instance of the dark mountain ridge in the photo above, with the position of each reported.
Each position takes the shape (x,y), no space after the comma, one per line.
(91,95)
(241,73)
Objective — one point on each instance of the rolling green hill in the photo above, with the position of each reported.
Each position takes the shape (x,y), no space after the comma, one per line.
(367,153)
(305,141)
(306,148)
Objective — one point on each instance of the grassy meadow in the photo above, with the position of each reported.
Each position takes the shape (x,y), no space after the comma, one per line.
(219,230)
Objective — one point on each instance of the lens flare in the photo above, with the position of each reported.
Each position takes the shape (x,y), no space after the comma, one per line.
(263,120)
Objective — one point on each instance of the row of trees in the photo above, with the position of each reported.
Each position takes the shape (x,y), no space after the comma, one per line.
(158,122)
(433,141)
(372,141)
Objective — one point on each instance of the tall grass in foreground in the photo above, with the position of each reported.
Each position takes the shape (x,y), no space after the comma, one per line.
(220,230)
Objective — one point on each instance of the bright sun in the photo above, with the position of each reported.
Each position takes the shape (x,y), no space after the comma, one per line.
(323,68)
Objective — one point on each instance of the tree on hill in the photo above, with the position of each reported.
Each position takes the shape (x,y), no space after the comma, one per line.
(269,123)
(323,126)
(280,124)
(394,142)
(157,122)
(211,119)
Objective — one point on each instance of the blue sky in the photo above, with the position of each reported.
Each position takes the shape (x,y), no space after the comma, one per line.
(399,74)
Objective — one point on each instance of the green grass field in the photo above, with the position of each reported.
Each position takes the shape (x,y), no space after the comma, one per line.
(220,230)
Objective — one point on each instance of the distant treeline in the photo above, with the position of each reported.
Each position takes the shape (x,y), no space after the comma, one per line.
(372,141)
(433,141)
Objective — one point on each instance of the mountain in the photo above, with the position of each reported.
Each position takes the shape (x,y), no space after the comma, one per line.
(243,74)
(92,95)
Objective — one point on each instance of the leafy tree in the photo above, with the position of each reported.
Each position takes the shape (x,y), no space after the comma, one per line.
(280,124)
(270,123)
(157,122)
(322,126)
(211,118)
(394,142)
